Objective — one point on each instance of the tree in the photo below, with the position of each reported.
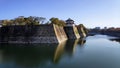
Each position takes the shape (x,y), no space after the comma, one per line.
(62,23)
(40,20)
(6,22)
(36,20)
(21,20)
(57,21)
(54,21)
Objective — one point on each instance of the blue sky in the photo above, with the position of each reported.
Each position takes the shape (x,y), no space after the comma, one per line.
(91,13)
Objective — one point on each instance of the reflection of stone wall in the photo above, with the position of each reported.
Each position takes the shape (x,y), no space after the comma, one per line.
(27,55)
(72,32)
(32,55)
(32,34)
(71,46)
(59,52)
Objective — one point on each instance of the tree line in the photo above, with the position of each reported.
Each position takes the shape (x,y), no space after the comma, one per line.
(32,20)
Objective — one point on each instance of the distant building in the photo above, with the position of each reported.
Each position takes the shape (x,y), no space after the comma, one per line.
(105,27)
(111,28)
(70,22)
(98,28)
(117,28)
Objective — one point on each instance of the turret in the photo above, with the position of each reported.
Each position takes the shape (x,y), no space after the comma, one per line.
(70,22)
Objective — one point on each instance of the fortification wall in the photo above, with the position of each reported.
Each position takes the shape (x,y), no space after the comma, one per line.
(72,32)
(32,34)
(81,31)
(60,33)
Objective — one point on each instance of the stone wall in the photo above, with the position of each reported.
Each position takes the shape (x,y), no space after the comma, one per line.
(39,34)
(60,33)
(71,32)
(81,31)
(32,34)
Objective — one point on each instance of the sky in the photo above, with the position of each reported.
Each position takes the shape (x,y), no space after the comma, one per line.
(91,13)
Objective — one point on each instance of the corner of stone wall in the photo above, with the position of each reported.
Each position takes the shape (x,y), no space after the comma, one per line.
(72,32)
(60,33)
(81,31)
(76,32)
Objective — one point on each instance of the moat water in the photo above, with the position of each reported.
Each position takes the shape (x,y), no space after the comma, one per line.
(97,51)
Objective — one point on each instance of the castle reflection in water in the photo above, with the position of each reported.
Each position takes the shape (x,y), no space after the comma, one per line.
(33,55)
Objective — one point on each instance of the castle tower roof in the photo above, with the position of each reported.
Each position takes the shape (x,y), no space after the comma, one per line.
(69,21)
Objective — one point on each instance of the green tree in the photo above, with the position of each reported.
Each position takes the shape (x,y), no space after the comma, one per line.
(20,20)
(54,21)
(6,22)
(36,20)
(62,23)
(57,21)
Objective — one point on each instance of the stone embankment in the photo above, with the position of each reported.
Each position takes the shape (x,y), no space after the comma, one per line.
(82,31)
(32,34)
(39,34)
(71,32)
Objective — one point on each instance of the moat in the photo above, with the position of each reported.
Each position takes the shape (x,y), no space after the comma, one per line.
(99,51)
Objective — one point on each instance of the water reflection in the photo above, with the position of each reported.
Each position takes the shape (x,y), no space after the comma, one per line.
(59,52)
(71,46)
(36,55)
(115,39)
(82,41)
(28,55)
